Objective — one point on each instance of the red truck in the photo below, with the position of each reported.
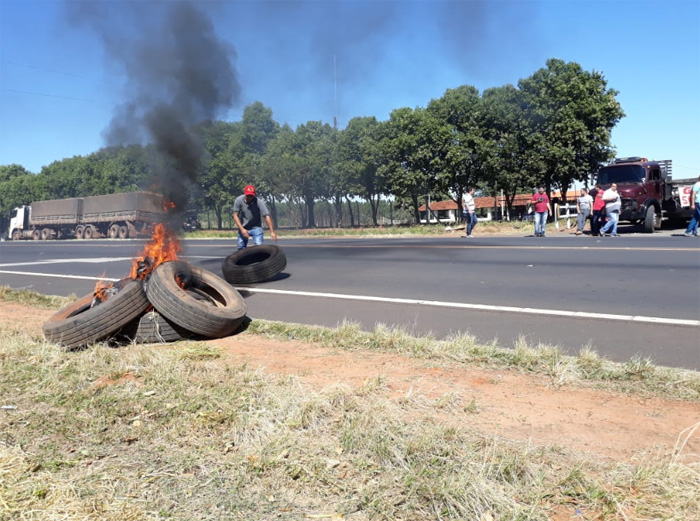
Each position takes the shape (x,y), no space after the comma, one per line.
(649,194)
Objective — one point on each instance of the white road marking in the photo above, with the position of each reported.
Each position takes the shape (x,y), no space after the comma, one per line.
(66,261)
(482,307)
(431,303)
(56,275)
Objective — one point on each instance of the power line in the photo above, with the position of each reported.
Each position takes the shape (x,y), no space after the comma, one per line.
(42,69)
(49,95)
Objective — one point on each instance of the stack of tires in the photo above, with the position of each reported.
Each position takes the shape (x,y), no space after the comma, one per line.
(178,301)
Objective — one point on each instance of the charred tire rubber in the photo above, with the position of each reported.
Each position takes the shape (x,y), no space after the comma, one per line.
(78,325)
(255,264)
(153,328)
(207,306)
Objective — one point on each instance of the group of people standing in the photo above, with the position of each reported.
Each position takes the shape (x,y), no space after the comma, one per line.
(602,207)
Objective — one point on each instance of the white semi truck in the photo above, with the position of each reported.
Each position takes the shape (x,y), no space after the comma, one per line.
(115,216)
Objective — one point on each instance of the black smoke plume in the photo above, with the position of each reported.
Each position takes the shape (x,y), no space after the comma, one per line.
(177,73)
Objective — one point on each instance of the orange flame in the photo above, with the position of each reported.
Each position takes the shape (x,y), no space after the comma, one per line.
(102,290)
(163,247)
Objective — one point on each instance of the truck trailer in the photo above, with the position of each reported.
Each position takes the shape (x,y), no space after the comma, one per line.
(115,216)
(649,194)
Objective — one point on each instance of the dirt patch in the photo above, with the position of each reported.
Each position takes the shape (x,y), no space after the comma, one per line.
(501,403)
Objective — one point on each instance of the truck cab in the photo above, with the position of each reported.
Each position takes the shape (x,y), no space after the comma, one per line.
(19,222)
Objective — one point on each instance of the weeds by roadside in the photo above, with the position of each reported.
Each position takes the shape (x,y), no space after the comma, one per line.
(153,432)
(637,375)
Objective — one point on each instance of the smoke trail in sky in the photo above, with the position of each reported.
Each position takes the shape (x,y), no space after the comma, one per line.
(177,73)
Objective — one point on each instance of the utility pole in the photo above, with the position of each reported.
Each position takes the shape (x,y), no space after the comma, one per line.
(335,87)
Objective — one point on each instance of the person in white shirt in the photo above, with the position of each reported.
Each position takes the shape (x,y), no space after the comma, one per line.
(584,203)
(469,211)
(613,203)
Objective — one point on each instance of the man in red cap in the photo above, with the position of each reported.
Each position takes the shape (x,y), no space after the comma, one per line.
(248,212)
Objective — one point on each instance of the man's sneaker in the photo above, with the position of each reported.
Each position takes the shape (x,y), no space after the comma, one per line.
(613,235)
(579,232)
(688,234)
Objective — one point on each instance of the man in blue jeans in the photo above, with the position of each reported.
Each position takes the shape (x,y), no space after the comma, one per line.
(542,210)
(613,204)
(248,212)
(695,203)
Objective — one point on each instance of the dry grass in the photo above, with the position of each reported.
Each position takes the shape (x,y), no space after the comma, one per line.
(638,375)
(171,432)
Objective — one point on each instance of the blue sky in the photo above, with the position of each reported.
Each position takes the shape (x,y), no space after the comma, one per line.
(313,60)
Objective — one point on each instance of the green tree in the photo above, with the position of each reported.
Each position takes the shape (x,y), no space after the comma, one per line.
(359,159)
(414,145)
(7,172)
(573,114)
(457,112)
(508,143)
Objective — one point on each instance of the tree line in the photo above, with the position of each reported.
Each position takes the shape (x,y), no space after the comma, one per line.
(552,129)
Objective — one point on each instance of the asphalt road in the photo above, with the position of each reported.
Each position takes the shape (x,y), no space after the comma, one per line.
(627,296)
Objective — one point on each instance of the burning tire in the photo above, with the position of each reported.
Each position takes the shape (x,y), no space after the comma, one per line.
(80,323)
(254,264)
(205,305)
(153,328)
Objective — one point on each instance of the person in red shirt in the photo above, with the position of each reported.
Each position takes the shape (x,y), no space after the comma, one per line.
(542,209)
(598,218)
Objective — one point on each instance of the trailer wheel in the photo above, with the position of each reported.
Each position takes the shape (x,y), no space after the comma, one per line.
(114,231)
(207,305)
(79,324)
(36,235)
(79,231)
(123,232)
(88,232)
(650,220)
(46,234)
(254,264)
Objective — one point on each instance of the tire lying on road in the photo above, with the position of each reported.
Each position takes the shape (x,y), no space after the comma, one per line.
(206,305)
(153,328)
(254,264)
(81,323)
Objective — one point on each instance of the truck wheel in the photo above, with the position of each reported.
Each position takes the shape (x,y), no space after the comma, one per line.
(46,234)
(254,264)
(206,305)
(650,220)
(88,232)
(79,324)
(79,232)
(114,231)
(123,232)
(36,235)
(16,235)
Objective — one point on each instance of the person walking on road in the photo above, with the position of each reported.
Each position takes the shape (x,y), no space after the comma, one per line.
(469,211)
(542,210)
(248,212)
(692,229)
(583,207)
(613,203)
(598,210)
